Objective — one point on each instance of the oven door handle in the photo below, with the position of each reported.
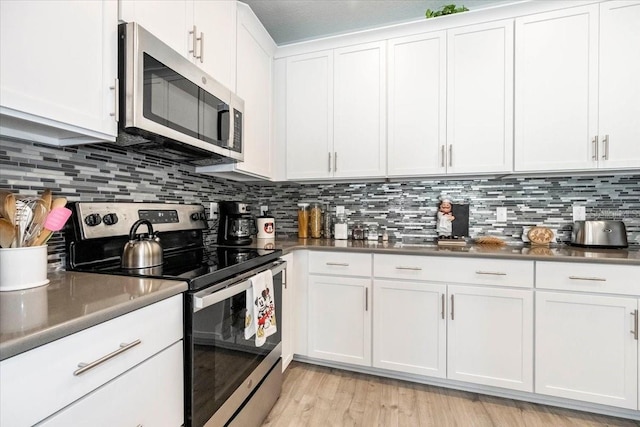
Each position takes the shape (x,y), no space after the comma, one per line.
(205,299)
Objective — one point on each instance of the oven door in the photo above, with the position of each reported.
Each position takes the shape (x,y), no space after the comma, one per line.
(222,367)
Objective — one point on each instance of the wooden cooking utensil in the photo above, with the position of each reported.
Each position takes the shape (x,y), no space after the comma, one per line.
(540,235)
(7,233)
(8,206)
(58,202)
(46,199)
(54,222)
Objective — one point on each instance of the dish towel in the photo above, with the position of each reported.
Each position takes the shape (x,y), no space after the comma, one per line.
(260,317)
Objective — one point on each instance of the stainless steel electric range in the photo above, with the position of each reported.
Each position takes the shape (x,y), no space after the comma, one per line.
(228,379)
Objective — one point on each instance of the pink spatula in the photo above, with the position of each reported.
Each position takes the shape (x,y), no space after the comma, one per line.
(54,222)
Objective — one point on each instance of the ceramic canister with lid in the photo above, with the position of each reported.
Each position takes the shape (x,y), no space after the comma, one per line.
(266,225)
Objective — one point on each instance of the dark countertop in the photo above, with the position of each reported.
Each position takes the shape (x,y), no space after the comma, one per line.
(560,252)
(70,303)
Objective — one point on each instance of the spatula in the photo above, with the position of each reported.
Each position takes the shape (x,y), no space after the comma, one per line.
(54,222)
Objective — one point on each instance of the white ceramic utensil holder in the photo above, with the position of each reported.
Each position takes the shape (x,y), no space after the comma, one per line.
(23,268)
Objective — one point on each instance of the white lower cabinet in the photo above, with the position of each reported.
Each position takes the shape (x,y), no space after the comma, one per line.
(586,349)
(340,319)
(151,394)
(410,327)
(287,313)
(490,336)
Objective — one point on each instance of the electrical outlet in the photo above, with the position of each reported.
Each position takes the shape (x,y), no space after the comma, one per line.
(264,209)
(579,213)
(501,214)
(213,210)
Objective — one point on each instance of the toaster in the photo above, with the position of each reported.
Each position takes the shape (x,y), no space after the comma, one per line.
(599,234)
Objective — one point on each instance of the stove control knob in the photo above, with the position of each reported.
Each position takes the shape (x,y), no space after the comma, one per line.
(197,216)
(203,216)
(110,219)
(92,220)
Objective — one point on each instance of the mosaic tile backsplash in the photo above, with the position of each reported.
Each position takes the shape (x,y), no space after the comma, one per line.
(405,209)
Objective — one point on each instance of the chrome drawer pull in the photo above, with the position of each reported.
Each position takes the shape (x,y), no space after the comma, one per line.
(409,268)
(84,367)
(492,273)
(634,313)
(339,264)
(593,279)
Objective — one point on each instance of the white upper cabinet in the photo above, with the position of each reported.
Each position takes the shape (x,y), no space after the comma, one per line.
(335,107)
(58,68)
(309,112)
(202,31)
(359,111)
(479,99)
(577,91)
(619,110)
(417,104)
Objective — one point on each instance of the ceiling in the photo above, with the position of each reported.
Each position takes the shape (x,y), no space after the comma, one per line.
(291,21)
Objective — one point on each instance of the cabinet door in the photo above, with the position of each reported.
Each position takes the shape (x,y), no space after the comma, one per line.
(340,319)
(490,337)
(215,22)
(309,125)
(360,111)
(58,63)
(287,316)
(584,348)
(619,128)
(556,98)
(417,104)
(254,75)
(409,327)
(168,20)
(480,98)
(150,394)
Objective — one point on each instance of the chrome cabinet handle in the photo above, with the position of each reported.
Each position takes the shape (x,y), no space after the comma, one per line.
(194,43)
(408,268)
(339,264)
(605,147)
(593,279)
(329,162)
(594,143)
(84,367)
(492,273)
(366,299)
(335,161)
(116,95)
(442,302)
(442,156)
(634,313)
(452,306)
(201,39)
(450,154)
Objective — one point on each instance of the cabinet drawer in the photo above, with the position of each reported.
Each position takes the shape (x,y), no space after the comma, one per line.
(37,383)
(151,394)
(340,263)
(485,271)
(587,277)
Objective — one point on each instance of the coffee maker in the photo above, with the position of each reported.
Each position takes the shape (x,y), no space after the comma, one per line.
(236,224)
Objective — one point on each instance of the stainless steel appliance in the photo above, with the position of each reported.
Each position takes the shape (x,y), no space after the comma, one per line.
(235,224)
(228,379)
(170,108)
(599,234)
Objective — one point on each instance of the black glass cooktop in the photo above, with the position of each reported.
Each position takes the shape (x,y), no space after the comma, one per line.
(199,267)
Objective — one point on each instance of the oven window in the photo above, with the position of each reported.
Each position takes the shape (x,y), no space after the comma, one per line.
(222,359)
(177,103)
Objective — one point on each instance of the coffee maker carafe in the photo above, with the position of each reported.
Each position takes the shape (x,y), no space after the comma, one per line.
(236,224)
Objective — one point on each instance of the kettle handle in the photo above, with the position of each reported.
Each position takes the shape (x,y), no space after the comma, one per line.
(138,223)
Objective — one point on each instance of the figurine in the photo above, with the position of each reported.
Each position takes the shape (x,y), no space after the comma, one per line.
(444,218)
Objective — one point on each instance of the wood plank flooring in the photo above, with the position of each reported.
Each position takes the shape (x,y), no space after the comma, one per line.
(319,396)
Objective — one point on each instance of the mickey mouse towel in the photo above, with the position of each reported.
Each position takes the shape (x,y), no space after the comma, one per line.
(260,317)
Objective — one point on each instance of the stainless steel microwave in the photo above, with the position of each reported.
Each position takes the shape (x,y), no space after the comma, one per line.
(172,109)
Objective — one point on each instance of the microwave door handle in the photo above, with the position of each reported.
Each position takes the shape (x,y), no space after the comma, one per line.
(221,113)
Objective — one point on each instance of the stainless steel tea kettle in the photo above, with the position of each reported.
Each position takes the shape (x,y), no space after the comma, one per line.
(142,250)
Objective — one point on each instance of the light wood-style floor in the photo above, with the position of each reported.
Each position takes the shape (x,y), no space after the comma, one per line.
(318,396)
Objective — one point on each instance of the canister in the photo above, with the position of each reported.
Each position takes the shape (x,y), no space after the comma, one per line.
(303,220)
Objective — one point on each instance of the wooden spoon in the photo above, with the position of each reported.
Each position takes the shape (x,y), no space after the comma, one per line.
(7,233)
(46,199)
(58,202)
(8,206)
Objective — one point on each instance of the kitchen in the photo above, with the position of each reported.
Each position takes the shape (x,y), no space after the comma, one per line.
(404,206)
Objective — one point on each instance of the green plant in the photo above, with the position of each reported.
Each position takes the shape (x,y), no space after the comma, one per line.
(447,9)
